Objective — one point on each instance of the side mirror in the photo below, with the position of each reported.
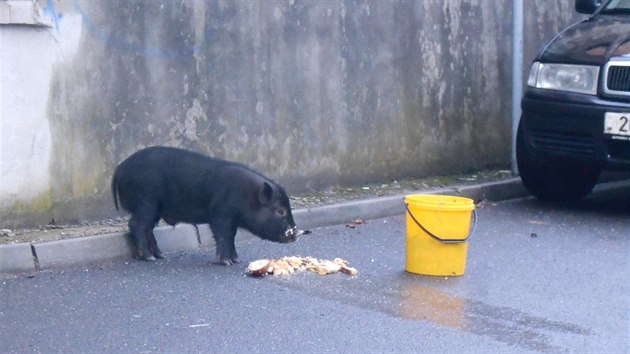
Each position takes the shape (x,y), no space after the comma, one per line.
(587,6)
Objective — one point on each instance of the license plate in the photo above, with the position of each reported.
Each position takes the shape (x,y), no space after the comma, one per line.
(617,123)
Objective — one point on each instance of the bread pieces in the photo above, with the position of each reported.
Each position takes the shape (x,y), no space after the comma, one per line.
(292,264)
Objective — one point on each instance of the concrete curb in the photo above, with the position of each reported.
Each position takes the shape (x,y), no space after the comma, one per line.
(17,257)
(29,257)
(53,254)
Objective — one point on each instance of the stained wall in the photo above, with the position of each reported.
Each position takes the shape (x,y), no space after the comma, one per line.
(312,93)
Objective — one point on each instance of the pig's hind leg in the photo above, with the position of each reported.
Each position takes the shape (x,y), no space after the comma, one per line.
(141,230)
(153,247)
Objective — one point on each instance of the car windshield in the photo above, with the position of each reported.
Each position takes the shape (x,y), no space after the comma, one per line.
(617,7)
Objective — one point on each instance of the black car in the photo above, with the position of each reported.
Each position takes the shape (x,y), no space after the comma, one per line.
(576,107)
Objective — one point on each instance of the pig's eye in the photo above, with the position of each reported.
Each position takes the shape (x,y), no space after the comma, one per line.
(281,212)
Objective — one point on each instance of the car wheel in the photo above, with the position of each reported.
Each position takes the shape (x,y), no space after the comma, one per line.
(555,181)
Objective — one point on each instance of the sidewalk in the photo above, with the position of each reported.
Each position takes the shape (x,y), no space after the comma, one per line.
(34,256)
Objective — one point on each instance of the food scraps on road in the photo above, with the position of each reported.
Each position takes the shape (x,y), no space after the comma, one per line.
(292,264)
(355,222)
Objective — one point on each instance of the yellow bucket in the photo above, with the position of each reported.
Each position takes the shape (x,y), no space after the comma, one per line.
(438,227)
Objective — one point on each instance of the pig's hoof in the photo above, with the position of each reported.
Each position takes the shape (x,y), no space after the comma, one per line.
(149,258)
(159,255)
(225,262)
(229,261)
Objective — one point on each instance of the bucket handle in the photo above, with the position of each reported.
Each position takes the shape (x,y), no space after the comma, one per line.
(443,240)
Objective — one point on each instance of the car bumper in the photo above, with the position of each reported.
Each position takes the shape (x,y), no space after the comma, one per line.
(571,127)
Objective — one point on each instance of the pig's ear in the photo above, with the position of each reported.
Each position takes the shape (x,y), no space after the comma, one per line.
(265,194)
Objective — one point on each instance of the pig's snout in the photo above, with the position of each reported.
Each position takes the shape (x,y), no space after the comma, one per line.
(292,233)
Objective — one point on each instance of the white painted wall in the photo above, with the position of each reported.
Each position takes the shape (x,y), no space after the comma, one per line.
(31,43)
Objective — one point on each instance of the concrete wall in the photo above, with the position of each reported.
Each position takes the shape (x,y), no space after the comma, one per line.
(312,93)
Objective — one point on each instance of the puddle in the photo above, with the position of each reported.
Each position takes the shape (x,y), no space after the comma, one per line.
(503,324)
(419,298)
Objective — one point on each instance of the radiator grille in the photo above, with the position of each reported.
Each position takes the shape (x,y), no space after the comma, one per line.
(617,78)
(619,150)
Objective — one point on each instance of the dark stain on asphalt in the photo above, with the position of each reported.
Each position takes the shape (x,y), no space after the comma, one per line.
(410,298)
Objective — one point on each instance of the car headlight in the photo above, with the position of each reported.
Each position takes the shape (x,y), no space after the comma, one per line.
(564,77)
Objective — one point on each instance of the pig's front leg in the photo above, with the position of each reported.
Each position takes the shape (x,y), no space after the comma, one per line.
(224,232)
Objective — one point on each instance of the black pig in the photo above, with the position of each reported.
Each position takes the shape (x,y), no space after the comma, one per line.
(184,186)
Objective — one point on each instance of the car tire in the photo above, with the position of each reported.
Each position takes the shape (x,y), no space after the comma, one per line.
(556,181)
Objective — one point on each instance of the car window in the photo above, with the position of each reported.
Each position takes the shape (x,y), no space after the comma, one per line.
(617,6)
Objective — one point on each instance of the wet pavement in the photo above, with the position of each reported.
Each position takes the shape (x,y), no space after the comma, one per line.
(538,279)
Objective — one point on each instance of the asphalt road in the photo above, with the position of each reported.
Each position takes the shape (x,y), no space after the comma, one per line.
(538,279)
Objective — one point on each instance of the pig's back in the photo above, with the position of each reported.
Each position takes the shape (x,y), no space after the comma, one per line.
(184,186)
